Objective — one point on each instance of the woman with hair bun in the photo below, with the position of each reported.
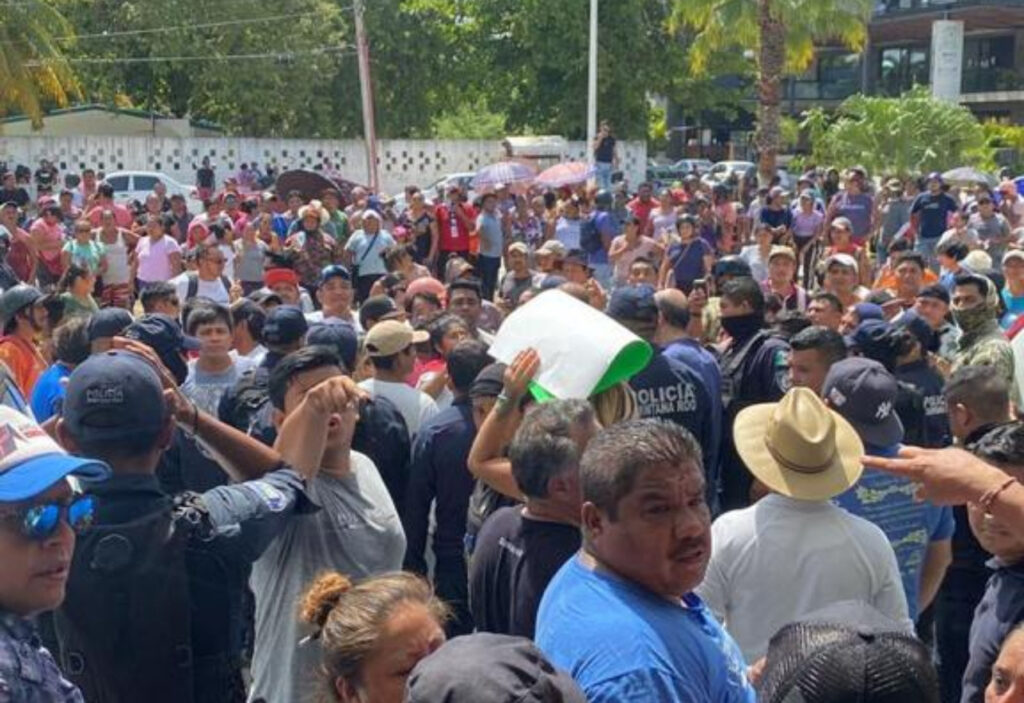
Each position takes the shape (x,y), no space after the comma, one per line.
(371,633)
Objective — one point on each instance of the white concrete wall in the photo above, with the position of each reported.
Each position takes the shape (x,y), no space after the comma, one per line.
(401,162)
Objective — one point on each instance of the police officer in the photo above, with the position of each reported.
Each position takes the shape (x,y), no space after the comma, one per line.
(725,269)
(153,611)
(917,340)
(667,388)
(39,516)
(755,369)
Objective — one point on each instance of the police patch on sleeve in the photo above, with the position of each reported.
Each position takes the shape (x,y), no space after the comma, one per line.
(272,498)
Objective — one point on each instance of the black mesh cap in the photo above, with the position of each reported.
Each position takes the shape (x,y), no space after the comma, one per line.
(867,659)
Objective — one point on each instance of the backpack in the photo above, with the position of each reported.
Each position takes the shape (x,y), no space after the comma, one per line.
(124,632)
(590,237)
(193,285)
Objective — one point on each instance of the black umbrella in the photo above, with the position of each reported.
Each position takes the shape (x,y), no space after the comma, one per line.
(311,184)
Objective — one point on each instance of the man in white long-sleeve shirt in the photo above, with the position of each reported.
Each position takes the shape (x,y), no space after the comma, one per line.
(794,552)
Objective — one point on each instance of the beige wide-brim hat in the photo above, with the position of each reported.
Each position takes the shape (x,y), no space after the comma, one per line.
(798,447)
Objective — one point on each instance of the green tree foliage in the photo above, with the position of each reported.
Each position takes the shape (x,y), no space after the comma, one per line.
(33,70)
(517,66)
(782,34)
(911,134)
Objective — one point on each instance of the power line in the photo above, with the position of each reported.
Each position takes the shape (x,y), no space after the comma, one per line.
(336,50)
(185,27)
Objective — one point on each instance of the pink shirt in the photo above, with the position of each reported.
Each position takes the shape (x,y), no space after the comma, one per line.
(50,233)
(155,259)
(122,217)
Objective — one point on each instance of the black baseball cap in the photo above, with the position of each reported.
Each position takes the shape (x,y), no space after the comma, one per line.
(489,381)
(375,308)
(109,322)
(864,392)
(285,324)
(333,271)
(489,667)
(936,291)
(341,337)
(114,395)
(919,327)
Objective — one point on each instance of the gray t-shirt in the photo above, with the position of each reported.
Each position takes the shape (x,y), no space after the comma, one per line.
(357,533)
(249,260)
(491,237)
(205,389)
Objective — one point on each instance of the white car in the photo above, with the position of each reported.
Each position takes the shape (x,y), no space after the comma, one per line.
(436,191)
(136,185)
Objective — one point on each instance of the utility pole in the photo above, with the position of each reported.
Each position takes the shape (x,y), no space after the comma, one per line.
(592,84)
(366,91)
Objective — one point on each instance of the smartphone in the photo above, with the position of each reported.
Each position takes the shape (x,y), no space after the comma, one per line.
(702,284)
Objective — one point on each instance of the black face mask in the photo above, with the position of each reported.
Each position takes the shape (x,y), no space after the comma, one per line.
(742,326)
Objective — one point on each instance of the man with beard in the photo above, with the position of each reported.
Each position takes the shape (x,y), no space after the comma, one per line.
(975,307)
(646,544)
(754,370)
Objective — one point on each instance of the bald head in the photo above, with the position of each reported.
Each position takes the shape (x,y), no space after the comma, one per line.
(673,313)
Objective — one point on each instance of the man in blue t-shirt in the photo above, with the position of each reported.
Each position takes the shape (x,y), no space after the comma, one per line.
(929,216)
(621,616)
(607,229)
(864,393)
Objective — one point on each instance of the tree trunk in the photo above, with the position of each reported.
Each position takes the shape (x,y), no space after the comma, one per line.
(771,63)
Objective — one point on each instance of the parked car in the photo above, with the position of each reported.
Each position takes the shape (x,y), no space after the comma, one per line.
(665,173)
(136,185)
(724,172)
(435,192)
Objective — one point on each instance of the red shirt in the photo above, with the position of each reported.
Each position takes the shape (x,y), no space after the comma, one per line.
(122,216)
(453,236)
(642,210)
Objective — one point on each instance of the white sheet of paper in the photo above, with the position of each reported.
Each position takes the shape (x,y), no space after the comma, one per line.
(576,343)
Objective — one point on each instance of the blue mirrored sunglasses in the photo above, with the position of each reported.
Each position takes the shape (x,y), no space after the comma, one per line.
(37,522)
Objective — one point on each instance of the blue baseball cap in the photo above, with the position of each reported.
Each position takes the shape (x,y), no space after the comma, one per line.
(919,327)
(863,392)
(333,271)
(114,395)
(633,303)
(868,311)
(868,334)
(341,337)
(163,334)
(31,462)
(285,324)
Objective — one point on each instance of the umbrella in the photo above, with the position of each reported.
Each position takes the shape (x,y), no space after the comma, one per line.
(503,172)
(968,175)
(566,174)
(311,184)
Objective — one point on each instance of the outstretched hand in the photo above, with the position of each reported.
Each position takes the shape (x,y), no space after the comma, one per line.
(944,476)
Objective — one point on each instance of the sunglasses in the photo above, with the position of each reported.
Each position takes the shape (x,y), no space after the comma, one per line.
(40,521)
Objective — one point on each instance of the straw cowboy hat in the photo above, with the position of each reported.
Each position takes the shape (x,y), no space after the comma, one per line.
(798,447)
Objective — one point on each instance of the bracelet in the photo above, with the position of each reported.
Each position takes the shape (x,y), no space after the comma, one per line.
(989,497)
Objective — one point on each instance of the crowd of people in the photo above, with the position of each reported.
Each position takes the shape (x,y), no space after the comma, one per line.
(268,452)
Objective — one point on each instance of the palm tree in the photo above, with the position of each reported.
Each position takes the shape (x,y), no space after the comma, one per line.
(782,34)
(32,65)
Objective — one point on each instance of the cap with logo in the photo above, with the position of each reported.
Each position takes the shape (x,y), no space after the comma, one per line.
(114,395)
(334,271)
(285,324)
(863,392)
(31,462)
(391,336)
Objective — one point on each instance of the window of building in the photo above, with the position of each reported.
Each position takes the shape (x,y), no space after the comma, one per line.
(988,64)
(901,68)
